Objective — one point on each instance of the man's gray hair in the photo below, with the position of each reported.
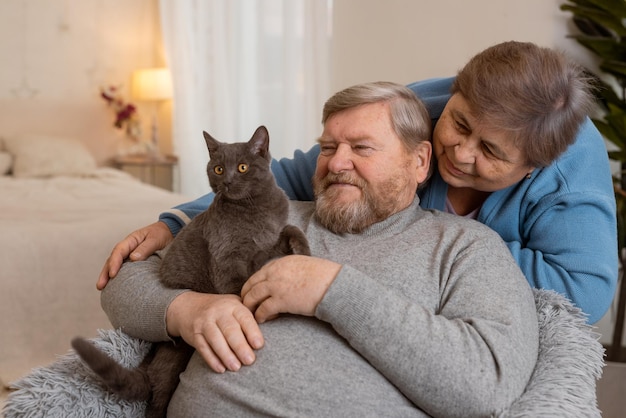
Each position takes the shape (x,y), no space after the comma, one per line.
(409,117)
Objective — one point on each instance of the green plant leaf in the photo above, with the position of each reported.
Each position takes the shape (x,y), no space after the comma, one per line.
(610,19)
(605,48)
(615,68)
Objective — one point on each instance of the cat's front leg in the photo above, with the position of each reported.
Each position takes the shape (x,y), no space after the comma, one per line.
(293,241)
(290,241)
(258,260)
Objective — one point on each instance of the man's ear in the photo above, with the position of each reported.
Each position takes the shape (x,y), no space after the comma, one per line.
(423,154)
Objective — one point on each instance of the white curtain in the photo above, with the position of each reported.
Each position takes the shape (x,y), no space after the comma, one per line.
(238,64)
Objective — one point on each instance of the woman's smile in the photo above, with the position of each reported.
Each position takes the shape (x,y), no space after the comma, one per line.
(451,168)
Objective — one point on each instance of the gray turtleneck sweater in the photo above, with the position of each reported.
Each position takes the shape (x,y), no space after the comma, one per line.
(429,316)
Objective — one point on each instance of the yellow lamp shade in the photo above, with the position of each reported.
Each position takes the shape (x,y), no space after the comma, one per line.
(152,84)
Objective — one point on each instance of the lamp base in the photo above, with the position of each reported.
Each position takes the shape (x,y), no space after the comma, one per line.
(154,139)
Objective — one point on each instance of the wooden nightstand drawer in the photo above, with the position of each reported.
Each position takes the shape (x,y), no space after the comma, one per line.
(159,171)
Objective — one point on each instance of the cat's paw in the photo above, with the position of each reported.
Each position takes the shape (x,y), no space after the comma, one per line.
(296,240)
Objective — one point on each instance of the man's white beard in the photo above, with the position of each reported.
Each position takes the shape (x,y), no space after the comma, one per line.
(351,217)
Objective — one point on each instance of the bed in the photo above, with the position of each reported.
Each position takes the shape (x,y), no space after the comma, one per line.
(61,212)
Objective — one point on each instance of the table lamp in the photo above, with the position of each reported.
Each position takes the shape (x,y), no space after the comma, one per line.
(152,85)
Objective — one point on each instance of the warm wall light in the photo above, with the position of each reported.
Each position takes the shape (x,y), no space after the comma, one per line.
(152,84)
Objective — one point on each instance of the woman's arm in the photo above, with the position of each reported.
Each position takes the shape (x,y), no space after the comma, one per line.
(570,246)
(560,225)
(292,175)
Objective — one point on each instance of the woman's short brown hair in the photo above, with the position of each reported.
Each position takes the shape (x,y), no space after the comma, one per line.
(537,94)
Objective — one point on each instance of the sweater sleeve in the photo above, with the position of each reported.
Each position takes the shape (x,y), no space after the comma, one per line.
(571,247)
(470,356)
(560,225)
(136,301)
(434,92)
(292,175)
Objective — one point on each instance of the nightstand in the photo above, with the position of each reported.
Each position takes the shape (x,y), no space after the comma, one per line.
(156,170)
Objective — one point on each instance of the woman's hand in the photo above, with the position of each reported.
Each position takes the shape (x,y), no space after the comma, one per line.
(219,327)
(137,246)
(293,284)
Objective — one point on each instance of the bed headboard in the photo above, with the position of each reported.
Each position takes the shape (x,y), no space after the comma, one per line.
(90,123)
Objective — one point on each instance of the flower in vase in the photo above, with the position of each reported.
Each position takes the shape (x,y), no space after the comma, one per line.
(126,115)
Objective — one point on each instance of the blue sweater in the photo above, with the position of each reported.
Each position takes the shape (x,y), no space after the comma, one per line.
(560,225)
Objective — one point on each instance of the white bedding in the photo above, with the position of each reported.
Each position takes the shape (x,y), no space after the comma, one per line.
(55,236)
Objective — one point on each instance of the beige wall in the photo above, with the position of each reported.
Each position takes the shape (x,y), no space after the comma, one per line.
(408,40)
(57,54)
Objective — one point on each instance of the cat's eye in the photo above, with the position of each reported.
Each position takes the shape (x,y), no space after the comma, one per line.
(242,168)
(218,169)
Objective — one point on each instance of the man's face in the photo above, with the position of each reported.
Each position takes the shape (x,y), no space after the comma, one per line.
(364,172)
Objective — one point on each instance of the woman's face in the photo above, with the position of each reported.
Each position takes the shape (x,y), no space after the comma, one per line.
(472,155)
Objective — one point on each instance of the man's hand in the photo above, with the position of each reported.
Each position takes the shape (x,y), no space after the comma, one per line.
(219,327)
(138,246)
(293,284)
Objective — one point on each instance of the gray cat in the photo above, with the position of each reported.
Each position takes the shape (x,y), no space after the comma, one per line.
(244,227)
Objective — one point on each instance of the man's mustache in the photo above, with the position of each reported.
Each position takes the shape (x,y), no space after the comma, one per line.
(341,178)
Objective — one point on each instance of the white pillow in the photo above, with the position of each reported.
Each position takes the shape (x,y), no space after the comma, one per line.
(47,156)
(6,160)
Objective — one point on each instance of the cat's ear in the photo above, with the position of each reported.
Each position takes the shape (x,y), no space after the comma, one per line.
(260,142)
(211,143)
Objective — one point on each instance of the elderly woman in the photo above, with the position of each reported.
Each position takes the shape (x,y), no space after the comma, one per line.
(515,151)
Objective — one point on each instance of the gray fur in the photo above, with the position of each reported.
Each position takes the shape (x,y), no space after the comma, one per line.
(244,227)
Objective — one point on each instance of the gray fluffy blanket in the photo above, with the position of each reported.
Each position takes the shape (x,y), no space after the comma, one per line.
(563,384)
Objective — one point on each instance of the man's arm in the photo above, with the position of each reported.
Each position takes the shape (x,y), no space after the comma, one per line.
(481,339)
(452,361)
(137,302)
(292,175)
(219,327)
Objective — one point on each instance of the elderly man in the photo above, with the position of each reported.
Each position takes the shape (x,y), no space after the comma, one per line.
(400,311)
